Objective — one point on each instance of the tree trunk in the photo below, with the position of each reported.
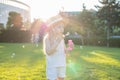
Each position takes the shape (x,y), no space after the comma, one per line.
(108,36)
(82,40)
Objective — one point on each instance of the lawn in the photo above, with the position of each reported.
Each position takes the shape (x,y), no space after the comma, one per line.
(20,61)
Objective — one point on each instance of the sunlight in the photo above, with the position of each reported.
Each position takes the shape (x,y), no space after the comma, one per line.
(101,74)
(2,46)
(30,63)
(44,9)
(72,66)
(101,58)
(21,73)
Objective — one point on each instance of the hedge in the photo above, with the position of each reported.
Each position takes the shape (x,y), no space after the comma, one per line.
(15,36)
(113,42)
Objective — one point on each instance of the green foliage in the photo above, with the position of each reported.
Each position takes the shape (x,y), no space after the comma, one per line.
(86,24)
(109,13)
(115,42)
(75,40)
(87,21)
(86,18)
(13,36)
(2,26)
(14,21)
(95,41)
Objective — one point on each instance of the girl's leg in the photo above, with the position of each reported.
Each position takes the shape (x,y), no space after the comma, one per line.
(55,79)
(61,73)
(60,78)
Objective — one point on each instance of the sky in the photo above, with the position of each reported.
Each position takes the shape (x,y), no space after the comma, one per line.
(44,9)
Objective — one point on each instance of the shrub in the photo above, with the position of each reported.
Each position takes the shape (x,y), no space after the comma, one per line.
(15,36)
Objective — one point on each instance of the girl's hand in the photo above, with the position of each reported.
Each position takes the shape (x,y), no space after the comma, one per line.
(67,53)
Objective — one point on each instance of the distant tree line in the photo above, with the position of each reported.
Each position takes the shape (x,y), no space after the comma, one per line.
(97,27)
(15,30)
(18,31)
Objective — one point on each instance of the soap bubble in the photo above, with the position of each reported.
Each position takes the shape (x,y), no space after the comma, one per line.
(23,46)
(81,47)
(13,55)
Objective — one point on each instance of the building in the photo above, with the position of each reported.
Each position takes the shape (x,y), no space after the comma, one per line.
(7,6)
(71,13)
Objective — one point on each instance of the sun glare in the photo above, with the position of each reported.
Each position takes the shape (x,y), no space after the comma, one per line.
(44,9)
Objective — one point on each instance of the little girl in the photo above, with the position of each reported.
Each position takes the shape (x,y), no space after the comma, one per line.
(54,49)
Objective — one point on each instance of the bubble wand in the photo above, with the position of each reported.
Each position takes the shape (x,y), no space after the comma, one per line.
(70,46)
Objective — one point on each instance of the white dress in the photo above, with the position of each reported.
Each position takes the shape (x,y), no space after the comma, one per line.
(57,59)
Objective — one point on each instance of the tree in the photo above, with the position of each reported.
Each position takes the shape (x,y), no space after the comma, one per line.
(14,21)
(83,23)
(109,13)
(87,19)
(2,26)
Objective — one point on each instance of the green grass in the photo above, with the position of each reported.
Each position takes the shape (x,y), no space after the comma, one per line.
(84,63)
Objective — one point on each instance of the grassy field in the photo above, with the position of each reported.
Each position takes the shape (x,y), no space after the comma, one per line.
(27,62)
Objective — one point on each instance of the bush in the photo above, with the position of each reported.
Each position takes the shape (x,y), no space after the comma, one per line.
(88,41)
(114,42)
(75,40)
(96,41)
(15,36)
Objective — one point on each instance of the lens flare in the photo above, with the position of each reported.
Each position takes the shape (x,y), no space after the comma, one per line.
(72,66)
